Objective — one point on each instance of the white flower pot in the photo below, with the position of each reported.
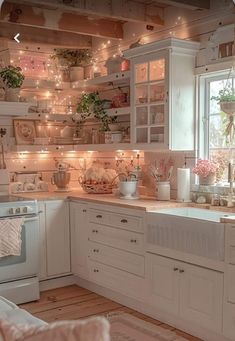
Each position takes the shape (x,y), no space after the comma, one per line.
(207,180)
(228,107)
(12,95)
(76,73)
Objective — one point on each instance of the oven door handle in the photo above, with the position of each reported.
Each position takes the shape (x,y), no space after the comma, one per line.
(30,218)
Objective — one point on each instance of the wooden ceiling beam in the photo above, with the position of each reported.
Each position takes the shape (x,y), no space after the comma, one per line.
(190,4)
(42,36)
(125,10)
(56,19)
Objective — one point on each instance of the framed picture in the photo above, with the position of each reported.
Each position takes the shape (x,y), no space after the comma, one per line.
(25,131)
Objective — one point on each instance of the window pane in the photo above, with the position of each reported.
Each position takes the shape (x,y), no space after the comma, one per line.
(217,138)
(215,87)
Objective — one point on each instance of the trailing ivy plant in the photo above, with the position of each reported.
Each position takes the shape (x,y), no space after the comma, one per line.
(12,77)
(91,105)
(70,58)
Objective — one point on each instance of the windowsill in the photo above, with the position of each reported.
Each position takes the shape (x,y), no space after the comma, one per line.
(219,188)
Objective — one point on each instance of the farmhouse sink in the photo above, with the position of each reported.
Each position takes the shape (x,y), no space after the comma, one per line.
(193,213)
(188,230)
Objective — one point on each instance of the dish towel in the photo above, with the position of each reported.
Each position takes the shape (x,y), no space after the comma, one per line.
(10,236)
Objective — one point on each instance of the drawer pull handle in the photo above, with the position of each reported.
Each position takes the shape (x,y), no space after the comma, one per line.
(96,250)
(95,270)
(181,271)
(99,216)
(133,241)
(94,231)
(84,210)
(175,269)
(124,221)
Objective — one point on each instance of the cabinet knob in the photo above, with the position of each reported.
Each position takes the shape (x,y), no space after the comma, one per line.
(99,216)
(181,271)
(124,221)
(95,270)
(95,250)
(175,269)
(94,231)
(84,210)
(133,241)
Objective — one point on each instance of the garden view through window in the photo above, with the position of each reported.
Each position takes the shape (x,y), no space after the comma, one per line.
(220,148)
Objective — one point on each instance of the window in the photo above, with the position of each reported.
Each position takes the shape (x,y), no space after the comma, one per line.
(217,146)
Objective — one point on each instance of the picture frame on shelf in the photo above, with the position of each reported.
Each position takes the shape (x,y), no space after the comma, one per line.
(25,131)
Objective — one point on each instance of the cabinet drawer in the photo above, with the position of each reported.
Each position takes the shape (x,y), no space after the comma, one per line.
(117,280)
(120,239)
(124,221)
(117,258)
(229,320)
(231,283)
(98,216)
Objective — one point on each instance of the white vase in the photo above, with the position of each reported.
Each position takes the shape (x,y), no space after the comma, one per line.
(12,95)
(76,73)
(207,180)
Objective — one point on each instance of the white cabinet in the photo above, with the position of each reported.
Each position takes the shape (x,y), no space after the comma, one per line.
(163,94)
(192,292)
(79,238)
(54,239)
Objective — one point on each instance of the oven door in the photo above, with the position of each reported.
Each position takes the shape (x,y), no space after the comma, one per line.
(27,264)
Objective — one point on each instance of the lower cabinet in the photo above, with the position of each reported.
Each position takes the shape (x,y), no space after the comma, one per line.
(229,320)
(189,291)
(54,239)
(79,239)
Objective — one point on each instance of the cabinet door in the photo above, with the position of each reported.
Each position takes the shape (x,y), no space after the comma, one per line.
(150,102)
(79,238)
(163,281)
(57,237)
(201,296)
(42,242)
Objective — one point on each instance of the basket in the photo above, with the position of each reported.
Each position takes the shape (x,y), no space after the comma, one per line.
(97,188)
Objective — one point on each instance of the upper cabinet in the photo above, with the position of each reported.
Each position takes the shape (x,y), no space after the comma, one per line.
(163,94)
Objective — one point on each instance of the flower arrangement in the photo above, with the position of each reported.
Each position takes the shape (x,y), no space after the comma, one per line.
(205,168)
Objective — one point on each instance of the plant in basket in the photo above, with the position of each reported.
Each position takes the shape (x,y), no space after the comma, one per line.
(226,100)
(206,170)
(12,79)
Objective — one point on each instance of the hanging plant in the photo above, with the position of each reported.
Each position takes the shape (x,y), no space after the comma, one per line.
(71,58)
(91,105)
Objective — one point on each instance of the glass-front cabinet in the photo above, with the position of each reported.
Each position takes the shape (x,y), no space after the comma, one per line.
(163,94)
(150,84)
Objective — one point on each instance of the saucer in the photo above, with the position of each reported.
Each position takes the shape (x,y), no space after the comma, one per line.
(129,198)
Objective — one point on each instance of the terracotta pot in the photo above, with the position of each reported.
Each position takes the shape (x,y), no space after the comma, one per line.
(228,107)
(12,95)
(76,73)
(207,180)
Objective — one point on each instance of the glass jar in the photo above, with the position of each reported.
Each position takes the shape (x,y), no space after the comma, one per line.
(163,190)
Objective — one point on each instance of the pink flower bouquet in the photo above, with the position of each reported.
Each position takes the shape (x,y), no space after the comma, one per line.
(205,168)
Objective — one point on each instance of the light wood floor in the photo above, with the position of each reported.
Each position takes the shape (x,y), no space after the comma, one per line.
(73,302)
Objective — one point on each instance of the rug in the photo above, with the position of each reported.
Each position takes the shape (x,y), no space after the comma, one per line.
(125,327)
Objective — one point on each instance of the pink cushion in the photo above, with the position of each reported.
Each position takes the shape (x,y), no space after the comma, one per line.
(93,329)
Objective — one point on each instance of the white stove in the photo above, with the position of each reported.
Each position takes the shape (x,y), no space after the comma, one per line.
(19,274)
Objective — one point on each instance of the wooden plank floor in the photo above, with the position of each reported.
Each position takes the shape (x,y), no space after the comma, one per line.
(73,302)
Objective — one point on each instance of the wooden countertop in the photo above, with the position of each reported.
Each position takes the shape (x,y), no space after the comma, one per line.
(144,203)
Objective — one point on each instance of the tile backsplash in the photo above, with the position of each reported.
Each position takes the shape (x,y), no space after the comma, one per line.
(44,163)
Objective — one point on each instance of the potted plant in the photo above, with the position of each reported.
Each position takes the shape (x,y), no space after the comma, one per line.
(75,60)
(226,99)
(12,80)
(206,170)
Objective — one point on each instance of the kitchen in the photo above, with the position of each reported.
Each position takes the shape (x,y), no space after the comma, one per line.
(117,165)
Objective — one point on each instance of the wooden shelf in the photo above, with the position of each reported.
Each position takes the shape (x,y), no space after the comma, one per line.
(117,78)
(44,84)
(47,117)
(119,111)
(14,108)
(67,148)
